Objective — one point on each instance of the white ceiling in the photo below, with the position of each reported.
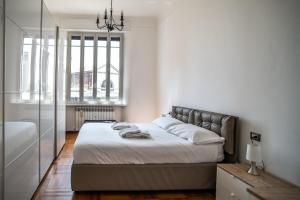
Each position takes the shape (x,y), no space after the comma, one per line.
(134,8)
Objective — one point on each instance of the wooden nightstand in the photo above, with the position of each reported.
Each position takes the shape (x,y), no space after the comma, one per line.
(233,182)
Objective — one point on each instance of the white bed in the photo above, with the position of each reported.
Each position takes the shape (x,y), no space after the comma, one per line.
(103,161)
(97,143)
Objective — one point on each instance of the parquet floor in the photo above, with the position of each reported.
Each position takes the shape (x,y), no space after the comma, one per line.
(57,186)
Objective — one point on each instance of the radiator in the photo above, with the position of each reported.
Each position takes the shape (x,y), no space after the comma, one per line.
(83,114)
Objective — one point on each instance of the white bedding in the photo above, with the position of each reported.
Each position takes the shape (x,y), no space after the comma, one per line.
(97,143)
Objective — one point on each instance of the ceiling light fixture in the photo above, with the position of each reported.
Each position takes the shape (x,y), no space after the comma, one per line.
(110,24)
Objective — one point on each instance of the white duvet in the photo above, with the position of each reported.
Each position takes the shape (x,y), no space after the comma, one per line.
(97,143)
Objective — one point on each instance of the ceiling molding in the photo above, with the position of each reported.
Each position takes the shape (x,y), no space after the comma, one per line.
(131,8)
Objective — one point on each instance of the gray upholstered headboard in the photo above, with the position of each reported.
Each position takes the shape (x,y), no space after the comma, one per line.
(223,125)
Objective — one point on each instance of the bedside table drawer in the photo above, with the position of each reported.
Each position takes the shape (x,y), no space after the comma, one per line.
(224,194)
(231,186)
(233,182)
(251,197)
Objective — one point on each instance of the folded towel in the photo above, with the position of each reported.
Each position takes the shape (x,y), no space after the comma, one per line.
(134,132)
(121,126)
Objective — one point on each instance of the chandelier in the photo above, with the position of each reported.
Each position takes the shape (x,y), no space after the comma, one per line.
(109,21)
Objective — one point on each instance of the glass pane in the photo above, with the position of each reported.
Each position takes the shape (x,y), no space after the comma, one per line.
(47,99)
(37,69)
(88,68)
(1,102)
(115,42)
(115,69)
(21,125)
(50,69)
(60,91)
(75,67)
(26,69)
(101,68)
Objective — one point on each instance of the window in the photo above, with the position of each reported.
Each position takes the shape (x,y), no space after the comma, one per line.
(95,67)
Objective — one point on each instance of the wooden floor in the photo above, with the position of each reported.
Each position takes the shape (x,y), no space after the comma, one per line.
(57,186)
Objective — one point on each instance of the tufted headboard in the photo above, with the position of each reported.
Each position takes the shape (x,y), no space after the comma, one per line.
(223,125)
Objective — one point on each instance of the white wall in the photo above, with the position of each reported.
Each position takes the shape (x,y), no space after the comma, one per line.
(140,63)
(140,71)
(238,57)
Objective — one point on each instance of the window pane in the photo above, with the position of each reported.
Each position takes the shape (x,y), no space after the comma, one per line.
(76,41)
(115,69)
(101,68)
(75,67)
(27,41)
(88,68)
(115,42)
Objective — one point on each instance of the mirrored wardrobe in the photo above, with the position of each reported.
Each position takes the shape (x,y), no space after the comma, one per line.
(1,99)
(32,108)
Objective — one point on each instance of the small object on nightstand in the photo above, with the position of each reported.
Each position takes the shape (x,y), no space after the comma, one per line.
(254,156)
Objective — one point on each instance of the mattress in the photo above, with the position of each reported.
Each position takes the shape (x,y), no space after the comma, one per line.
(19,136)
(97,143)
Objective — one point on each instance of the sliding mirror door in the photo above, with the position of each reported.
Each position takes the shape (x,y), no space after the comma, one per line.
(27,96)
(22,50)
(61,90)
(1,97)
(47,91)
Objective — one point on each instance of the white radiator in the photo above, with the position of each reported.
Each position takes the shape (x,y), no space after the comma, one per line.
(83,114)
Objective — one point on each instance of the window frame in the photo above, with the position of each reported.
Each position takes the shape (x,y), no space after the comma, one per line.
(96,35)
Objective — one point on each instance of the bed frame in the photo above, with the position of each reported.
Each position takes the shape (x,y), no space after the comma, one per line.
(181,176)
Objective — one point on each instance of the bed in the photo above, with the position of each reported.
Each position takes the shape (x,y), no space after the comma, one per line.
(103,161)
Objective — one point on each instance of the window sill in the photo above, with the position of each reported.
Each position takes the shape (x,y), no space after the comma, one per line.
(31,102)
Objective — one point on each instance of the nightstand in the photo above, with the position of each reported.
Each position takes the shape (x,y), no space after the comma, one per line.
(233,182)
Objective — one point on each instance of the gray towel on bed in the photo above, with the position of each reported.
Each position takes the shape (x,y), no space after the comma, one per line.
(121,125)
(134,132)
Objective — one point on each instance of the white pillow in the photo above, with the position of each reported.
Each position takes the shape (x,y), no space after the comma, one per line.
(195,134)
(166,122)
(166,115)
